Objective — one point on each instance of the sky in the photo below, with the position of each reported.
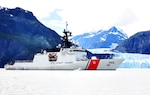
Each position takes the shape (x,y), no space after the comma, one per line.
(83,16)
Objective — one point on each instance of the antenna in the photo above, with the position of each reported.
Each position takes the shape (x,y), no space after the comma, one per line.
(67,34)
(66,25)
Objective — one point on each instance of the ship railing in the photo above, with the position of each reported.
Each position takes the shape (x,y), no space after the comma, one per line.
(18,61)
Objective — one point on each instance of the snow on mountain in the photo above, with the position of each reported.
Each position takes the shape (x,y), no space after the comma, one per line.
(101,39)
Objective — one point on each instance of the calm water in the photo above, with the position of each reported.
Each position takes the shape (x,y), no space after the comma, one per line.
(32,82)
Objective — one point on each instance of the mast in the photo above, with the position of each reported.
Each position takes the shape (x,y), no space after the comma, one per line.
(67,33)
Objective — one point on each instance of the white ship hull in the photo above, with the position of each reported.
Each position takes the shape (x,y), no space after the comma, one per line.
(103,64)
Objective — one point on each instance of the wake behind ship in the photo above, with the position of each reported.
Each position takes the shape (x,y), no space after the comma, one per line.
(67,57)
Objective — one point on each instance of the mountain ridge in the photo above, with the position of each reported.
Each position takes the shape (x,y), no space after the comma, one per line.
(138,43)
(22,35)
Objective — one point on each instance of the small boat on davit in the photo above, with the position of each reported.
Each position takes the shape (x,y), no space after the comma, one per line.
(68,57)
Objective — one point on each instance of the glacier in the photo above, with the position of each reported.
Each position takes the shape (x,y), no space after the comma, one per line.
(132,60)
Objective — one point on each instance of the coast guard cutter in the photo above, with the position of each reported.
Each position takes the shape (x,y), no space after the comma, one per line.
(68,57)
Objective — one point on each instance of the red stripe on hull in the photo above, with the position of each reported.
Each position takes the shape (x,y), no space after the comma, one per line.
(93,64)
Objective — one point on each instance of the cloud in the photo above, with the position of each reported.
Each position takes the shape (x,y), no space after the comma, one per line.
(127,17)
(86,15)
(138,26)
(40,8)
(90,15)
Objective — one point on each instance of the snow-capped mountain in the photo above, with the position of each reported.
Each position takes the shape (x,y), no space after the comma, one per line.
(101,39)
